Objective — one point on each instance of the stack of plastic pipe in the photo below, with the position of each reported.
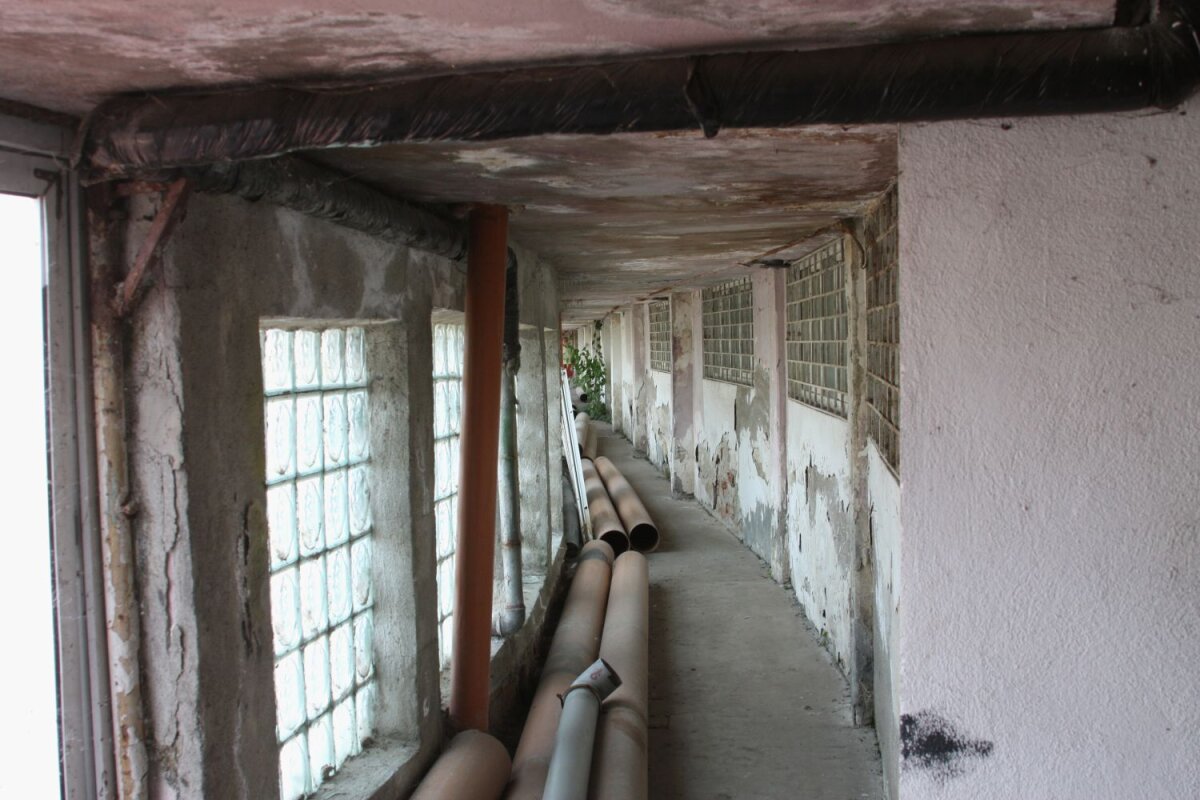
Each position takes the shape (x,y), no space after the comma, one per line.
(576,644)
(619,765)
(643,533)
(571,764)
(606,523)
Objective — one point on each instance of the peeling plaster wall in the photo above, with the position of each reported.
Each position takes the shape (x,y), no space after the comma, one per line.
(739,435)
(821,523)
(658,419)
(1051,559)
(197,467)
(637,343)
(683,384)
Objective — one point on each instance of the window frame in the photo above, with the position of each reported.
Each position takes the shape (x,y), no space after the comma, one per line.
(446,376)
(34,163)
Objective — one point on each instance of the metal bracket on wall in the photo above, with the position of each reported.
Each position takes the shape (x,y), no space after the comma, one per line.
(169,213)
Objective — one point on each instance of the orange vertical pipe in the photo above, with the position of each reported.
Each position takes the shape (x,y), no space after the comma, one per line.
(470,661)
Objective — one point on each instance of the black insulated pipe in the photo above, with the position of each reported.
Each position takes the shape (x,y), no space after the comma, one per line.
(1156,64)
(326,194)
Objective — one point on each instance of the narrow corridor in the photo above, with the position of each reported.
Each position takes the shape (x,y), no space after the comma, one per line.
(744,702)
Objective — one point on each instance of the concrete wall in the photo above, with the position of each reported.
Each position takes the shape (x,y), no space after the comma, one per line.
(1051,555)
(739,436)
(197,466)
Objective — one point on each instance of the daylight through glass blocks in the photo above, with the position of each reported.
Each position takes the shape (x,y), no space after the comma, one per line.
(447,424)
(817,329)
(728,319)
(319,525)
(881,231)
(660,335)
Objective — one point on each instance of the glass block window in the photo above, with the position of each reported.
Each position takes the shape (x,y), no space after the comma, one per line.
(729,332)
(817,328)
(447,425)
(881,235)
(319,526)
(660,335)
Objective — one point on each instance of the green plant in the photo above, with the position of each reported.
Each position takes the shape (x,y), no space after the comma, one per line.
(591,376)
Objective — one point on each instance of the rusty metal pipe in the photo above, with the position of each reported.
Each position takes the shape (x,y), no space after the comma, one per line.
(470,661)
(475,765)
(112,471)
(643,533)
(619,766)
(606,523)
(576,644)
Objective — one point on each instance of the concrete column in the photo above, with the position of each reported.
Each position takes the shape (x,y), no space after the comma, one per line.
(617,367)
(683,385)
(532,451)
(637,381)
(554,431)
(1050,551)
(696,322)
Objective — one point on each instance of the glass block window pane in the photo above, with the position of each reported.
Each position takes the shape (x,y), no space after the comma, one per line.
(319,527)
(728,322)
(882,243)
(817,329)
(660,335)
(447,424)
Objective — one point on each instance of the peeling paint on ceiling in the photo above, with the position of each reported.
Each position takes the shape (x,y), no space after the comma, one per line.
(67,55)
(625,216)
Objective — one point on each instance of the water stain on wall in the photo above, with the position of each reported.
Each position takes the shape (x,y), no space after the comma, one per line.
(932,743)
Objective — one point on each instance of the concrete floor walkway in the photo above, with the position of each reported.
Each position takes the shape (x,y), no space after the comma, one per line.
(744,703)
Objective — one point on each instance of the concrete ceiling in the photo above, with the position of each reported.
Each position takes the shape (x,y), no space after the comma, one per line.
(625,216)
(67,55)
(621,217)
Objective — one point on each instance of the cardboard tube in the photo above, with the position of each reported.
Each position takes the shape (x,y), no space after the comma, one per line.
(576,644)
(606,524)
(619,768)
(643,533)
(475,765)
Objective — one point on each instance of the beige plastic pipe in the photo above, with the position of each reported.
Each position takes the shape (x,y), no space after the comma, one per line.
(643,533)
(475,765)
(606,523)
(576,645)
(620,760)
(590,442)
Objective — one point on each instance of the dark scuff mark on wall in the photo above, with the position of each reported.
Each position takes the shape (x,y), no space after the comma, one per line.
(931,742)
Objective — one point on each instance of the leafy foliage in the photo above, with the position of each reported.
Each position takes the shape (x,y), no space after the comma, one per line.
(591,375)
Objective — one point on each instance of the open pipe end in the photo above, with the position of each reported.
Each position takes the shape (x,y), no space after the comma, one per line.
(644,538)
(617,540)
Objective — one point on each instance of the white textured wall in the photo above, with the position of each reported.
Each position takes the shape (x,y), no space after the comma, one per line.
(1051,455)
(883,499)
